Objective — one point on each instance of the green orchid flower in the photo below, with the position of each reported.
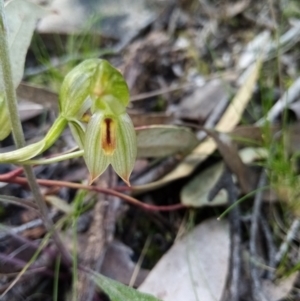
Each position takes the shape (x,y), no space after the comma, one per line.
(110,139)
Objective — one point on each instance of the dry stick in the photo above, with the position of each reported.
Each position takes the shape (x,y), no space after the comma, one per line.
(277,37)
(29,243)
(271,247)
(16,126)
(155,171)
(287,98)
(29,225)
(19,202)
(26,226)
(22,288)
(257,293)
(214,117)
(292,233)
(232,292)
(93,254)
(24,282)
(19,263)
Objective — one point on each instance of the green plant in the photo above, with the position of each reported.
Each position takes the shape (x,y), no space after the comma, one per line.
(92,101)
(109,136)
(93,86)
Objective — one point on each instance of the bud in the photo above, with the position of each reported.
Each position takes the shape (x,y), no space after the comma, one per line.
(110,139)
(75,89)
(95,81)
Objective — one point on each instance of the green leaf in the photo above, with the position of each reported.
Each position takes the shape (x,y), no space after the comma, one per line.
(119,292)
(196,192)
(164,140)
(21,18)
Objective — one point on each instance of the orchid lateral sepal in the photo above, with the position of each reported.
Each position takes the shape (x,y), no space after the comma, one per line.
(78,131)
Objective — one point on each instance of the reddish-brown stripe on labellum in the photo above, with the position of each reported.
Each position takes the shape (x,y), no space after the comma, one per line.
(108,135)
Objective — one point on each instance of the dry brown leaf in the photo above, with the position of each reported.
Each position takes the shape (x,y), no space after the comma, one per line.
(201,102)
(229,10)
(227,123)
(231,157)
(59,204)
(39,95)
(119,19)
(255,135)
(118,265)
(279,290)
(144,119)
(28,110)
(195,192)
(195,268)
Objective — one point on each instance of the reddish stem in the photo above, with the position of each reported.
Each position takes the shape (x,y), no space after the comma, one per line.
(127,198)
(12,174)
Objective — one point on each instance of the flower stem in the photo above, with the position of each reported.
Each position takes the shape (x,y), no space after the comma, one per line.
(17,131)
(25,153)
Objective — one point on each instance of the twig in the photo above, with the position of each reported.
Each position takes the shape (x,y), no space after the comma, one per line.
(287,98)
(40,264)
(155,171)
(214,116)
(277,38)
(12,260)
(271,247)
(19,202)
(93,254)
(285,244)
(232,292)
(257,293)
(19,263)
(19,238)
(29,225)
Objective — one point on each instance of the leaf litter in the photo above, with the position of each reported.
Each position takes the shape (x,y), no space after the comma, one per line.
(229,67)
